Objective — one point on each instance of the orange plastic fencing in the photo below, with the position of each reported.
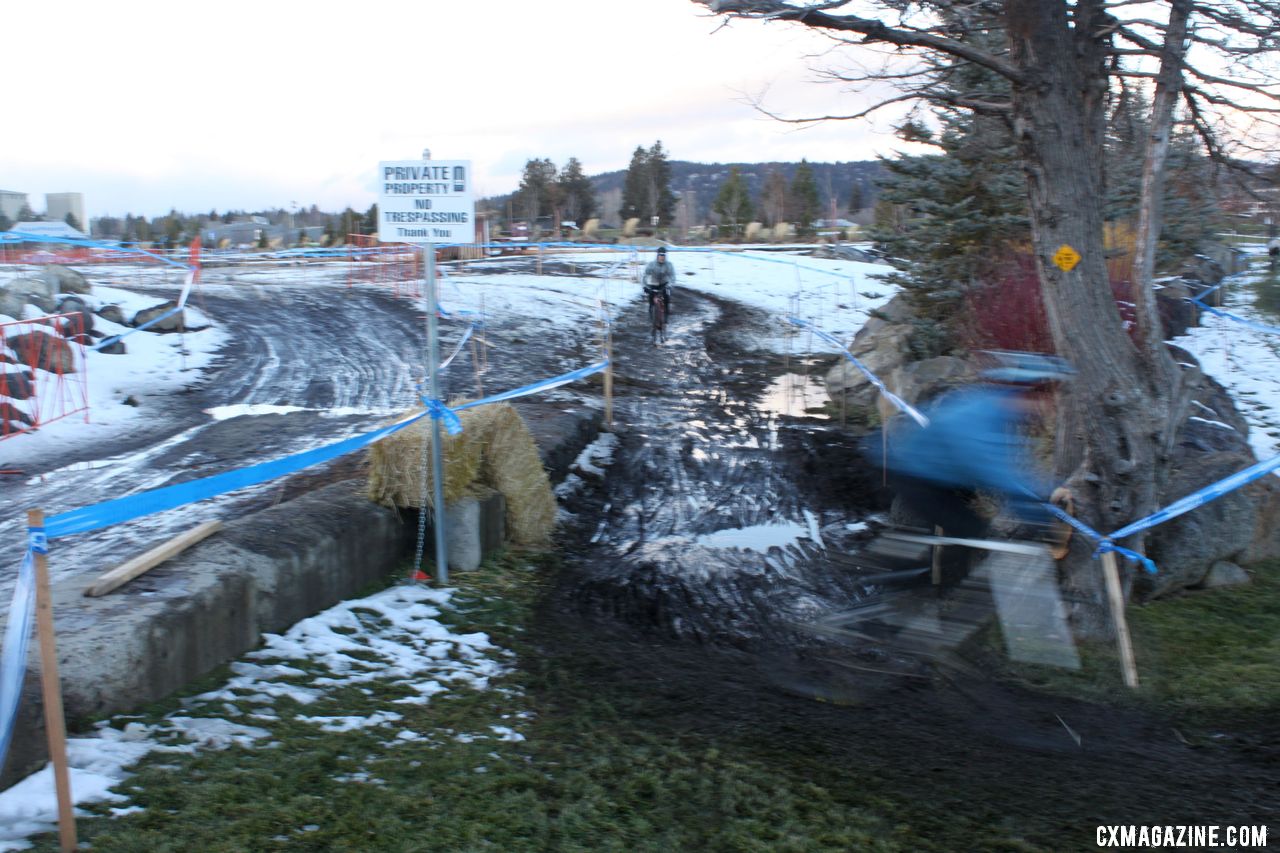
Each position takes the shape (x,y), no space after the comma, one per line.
(45,375)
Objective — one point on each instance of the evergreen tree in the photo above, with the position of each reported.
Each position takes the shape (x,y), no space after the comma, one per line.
(662,202)
(26,214)
(580,196)
(71,220)
(536,195)
(5,222)
(370,224)
(635,186)
(804,199)
(646,190)
(733,203)
(775,200)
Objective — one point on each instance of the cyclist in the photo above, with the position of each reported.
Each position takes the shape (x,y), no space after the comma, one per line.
(975,442)
(660,275)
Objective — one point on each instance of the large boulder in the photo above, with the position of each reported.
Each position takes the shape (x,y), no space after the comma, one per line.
(26,291)
(174,323)
(1201,268)
(882,345)
(920,381)
(1242,526)
(45,351)
(13,419)
(65,280)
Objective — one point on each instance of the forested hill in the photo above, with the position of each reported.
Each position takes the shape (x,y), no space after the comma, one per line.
(854,181)
(833,179)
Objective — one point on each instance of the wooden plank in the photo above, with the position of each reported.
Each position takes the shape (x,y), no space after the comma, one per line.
(55,722)
(126,572)
(1111,573)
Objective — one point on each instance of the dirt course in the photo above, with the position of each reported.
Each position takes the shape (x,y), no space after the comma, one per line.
(698,642)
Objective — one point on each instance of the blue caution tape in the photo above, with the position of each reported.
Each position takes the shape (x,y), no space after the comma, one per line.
(1260,327)
(440,412)
(13,656)
(124,509)
(465,337)
(1201,497)
(37,541)
(128,508)
(897,401)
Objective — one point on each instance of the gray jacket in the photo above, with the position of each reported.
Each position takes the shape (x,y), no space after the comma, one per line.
(660,273)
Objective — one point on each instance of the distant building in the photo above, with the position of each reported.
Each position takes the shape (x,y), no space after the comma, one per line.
(58,205)
(11,203)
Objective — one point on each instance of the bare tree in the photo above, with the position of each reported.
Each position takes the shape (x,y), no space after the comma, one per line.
(1062,59)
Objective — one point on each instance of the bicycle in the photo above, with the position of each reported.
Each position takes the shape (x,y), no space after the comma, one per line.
(657,315)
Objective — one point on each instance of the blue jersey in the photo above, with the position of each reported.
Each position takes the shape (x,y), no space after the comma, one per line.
(973,441)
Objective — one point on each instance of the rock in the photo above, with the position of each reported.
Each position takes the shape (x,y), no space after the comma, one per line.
(114,348)
(920,381)
(17,385)
(1201,268)
(173,323)
(1224,573)
(26,291)
(65,280)
(846,253)
(1177,312)
(13,415)
(882,345)
(112,314)
(1186,547)
(45,351)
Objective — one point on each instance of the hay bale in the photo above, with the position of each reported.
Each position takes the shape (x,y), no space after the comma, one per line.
(495,449)
(511,464)
(395,474)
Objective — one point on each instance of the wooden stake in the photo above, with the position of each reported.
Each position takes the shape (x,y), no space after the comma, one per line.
(608,378)
(937,558)
(127,571)
(55,723)
(1115,595)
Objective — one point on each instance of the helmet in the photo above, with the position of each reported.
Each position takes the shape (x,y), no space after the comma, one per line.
(1026,368)
(662,251)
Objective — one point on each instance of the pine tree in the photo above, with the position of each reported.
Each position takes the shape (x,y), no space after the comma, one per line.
(537,194)
(580,196)
(733,203)
(804,199)
(635,186)
(775,199)
(662,202)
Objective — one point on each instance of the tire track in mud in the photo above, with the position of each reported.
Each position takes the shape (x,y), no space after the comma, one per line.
(712,522)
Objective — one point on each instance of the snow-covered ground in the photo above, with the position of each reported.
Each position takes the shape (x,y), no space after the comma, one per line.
(394,634)
(153,364)
(1244,359)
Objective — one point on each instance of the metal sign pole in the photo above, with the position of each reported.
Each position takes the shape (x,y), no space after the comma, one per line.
(437,441)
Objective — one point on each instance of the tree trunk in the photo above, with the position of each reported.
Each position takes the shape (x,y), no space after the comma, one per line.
(1110,422)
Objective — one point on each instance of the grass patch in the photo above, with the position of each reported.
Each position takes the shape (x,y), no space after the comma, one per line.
(1199,654)
(602,767)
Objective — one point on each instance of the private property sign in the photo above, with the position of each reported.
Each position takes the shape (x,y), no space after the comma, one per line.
(425,201)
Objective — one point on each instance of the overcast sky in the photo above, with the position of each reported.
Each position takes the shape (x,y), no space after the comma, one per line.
(248,105)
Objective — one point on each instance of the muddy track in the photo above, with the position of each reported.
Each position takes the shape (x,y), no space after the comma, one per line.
(694,640)
(702,468)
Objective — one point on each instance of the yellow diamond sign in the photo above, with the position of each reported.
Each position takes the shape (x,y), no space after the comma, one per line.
(1066,258)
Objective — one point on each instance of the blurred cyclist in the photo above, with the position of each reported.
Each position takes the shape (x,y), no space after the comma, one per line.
(976,442)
